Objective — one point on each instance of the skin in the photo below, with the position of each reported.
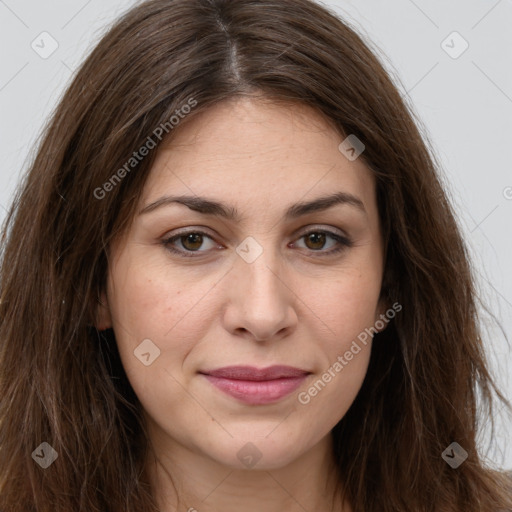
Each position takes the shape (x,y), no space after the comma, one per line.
(291,306)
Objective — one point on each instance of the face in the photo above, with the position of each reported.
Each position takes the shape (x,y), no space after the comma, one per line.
(274,275)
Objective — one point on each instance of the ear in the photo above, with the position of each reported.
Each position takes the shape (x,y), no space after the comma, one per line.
(103,315)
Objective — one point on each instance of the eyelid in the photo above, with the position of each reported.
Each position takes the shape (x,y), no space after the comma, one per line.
(321,227)
(188,229)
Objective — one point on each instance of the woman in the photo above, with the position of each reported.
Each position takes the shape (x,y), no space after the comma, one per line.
(231,279)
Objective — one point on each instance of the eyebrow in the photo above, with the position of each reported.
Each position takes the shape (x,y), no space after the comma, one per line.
(208,206)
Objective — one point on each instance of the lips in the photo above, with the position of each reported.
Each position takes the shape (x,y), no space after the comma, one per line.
(256,386)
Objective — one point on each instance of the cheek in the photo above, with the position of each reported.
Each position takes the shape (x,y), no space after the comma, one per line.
(146,304)
(347,304)
(346,307)
(149,300)
(169,314)
(329,395)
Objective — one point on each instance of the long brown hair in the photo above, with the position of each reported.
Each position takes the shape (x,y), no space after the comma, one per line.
(61,381)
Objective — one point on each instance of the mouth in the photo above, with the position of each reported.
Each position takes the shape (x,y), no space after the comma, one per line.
(256,386)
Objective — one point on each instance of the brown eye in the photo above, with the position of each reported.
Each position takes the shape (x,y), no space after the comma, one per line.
(192,241)
(315,240)
(188,243)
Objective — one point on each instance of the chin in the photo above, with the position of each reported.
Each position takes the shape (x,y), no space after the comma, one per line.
(258,452)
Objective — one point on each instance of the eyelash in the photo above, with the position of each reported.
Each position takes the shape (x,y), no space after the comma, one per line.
(343,243)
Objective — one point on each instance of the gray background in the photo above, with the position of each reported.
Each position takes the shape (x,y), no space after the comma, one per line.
(464,103)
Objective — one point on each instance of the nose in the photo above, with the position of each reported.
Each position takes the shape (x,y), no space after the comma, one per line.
(261,303)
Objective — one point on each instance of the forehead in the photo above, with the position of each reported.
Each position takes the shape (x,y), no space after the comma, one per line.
(253,152)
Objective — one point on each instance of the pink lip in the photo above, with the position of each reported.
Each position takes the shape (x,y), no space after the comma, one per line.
(256,386)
